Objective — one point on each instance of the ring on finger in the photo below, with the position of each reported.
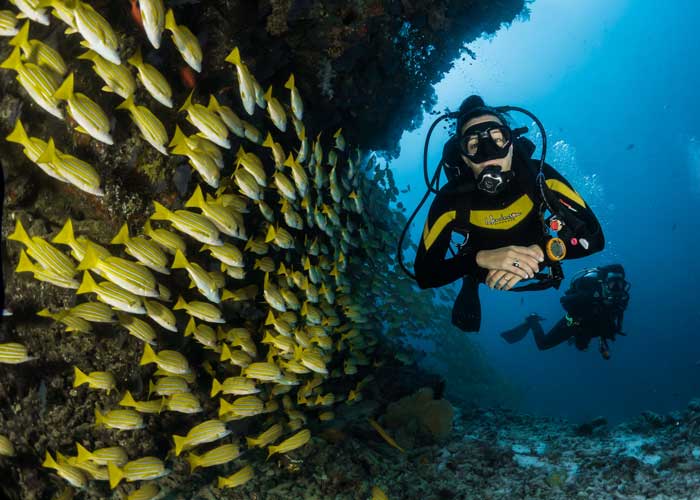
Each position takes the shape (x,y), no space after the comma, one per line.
(516,263)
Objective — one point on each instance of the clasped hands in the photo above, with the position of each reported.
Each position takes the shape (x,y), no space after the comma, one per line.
(509,265)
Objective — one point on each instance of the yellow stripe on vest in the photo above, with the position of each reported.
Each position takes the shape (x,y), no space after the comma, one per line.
(504,218)
(562,188)
(430,235)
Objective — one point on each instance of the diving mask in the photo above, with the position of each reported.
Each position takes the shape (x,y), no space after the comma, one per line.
(485,141)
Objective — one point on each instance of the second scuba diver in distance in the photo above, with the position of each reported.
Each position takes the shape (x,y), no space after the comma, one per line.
(494,200)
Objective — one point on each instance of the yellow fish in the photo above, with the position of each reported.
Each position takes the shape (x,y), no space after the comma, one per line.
(207,122)
(153,16)
(267,372)
(94,312)
(378,494)
(167,386)
(40,84)
(185,41)
(117,78)
(73,475)
(32,9)
(96,31)
(238,358)
(102,456)
(195,225)
(227,253)
(219,455)
(295,98)
(71,170)
(152,406)
(154,81)
(201,278)
(269,436)
(112,294)
(160,314)
(384,434)
(199,160)
(201,310)
(151,128)
(48,256)
(89,116)
(145,251)
(38,52)
(125,420)
(245,81)
(206,432)
(8,23)
(223,218)
(237,478)
(7,449)
(292,443)
(95,380)
(204,334)
(276,111)
(168,240)
(141,469)
(183,402)
(13,353)
(77,245)
(148,491)
(245,406)
(238,386)
(131,276)
(171,361)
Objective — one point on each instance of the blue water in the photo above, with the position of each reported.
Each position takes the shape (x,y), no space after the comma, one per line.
(601,75)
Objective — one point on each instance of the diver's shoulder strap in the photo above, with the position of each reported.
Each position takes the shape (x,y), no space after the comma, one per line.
(460,191)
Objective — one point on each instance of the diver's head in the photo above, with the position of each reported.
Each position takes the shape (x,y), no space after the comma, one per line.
(485,144)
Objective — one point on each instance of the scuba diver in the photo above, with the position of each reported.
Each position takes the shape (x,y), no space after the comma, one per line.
(594,303)
(495,198)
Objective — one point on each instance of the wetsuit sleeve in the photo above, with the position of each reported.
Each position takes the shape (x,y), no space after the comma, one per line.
(575,213)
(432,267)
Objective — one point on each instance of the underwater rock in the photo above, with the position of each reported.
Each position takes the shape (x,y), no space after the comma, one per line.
(419,418)
(587,428)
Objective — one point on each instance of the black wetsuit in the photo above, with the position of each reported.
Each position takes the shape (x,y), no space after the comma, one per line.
(604,324)
(494,221)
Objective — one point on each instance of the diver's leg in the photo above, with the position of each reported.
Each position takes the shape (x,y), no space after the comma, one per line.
(516,334)
(558,334)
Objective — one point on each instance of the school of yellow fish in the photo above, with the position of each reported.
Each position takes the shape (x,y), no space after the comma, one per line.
(309,223)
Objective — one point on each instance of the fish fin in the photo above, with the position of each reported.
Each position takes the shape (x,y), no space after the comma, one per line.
(13,61)
(136,59)
(216,387)
(225,353)
(90,260)
(80,377)
(180,442)
(20,234)
(224,407)
(188,102)
(127,400)
(49,155)
(161,213)
(88,284)
(170,23)
(234,57)
(127,104)
(122,237)
(290,83)
(65,236)
(65,90)
(25,265)
(196,200)
(18,134)
(194,461)
(83,453)
(115,474)
(149,355)
(49,462)
(180,304)
(22,37)
(191,327)
(268,142)
(180,261)
(270,234)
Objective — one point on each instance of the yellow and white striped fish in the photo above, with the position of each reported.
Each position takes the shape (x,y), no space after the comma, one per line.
(153,16)
(201,310)
(118,79)
(223,218)
(252,164)
(138,328)
(206,285)
(230,118)
(78,245)
(102,456)
(8,23)
(201,161)
(33,10)
(209,124)
(148,491)
(267,372)
(33,148)
(245,406)
(154,81)
(73,475)
(247,184)
(272,295)
(125,420)
(48,256)
(311,359)
(72,170)
(282,343)
(276,149)
(227,253)
(276,111)
(237,386)
(40,84)
(236,357)
(151,128)
(195,225)
(183,402)
(237,478)
(298,174)
(95,380)
(112,294)
(245,81)
(218,456)
(295,99)
(160,314)
(39,53)
(269,436)
(7,449)
(89,116)
(145,251)
(204,334)
(131,276)
(167,386)
(206,432)
(292,443)
(94,312)
(168,240)
(42,274)
(280,237)
(96,31)
(185,41)
(141,469)
(151,406)
(171,361)
(13,353)
(65,12)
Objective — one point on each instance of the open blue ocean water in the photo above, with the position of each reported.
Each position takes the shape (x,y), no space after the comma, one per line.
(615,84)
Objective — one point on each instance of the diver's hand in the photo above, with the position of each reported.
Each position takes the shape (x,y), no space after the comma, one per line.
(502,280)
(504,259)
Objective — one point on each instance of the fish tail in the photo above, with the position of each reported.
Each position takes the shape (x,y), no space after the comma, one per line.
(22,37)
(65,236)
(191,327)
(213,103)
(180,442)
(216,388)
(127,104)
(234,57)
(290,83)
(225,353)
(194,461)
(25,265)
(180,304)
(268,142)
(271,450)
(180,261)
(151,388)
(149,355)
(99,418)
(178,140)
(49,462)
(88,55)
(20,234)
(196,200)
(289,162)
(270,234)
(268,94)
(83,453)
(224,407)
(147,228)
(115,475)
(80,377)
(65,90)
(122,237)
(18,134)
(136,59)
(252,442)
(13,61)
(270,320)
(161,213)
(88,284)
(90,260)
(127,400)
(170,23)
(49,154)
(188,102)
